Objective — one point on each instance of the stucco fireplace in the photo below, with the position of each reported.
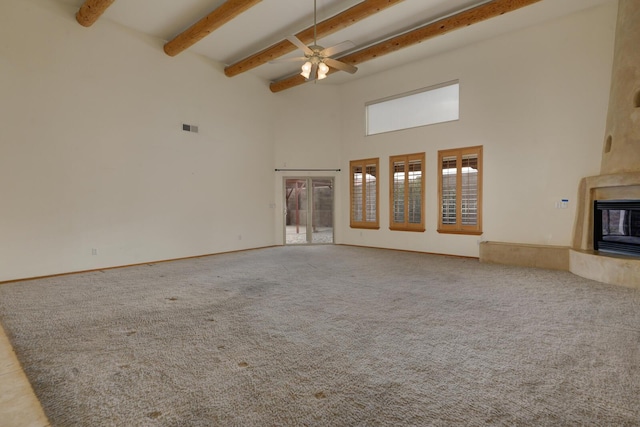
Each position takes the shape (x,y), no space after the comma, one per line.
(619,178)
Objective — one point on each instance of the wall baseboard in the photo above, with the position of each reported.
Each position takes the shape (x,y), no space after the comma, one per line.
(129,265)
(408,250)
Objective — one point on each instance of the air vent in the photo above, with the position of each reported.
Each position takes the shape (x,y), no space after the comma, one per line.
(189,128)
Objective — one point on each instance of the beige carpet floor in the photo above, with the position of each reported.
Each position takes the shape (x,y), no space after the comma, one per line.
(327,336)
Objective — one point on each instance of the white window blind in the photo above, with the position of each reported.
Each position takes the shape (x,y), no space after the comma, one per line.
(460,190)
(371,172)
(356,193)
(469,176)
(364,193)
(449,186)
(407,195)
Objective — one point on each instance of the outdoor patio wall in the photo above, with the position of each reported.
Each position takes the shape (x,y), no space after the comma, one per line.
(93,156)
(535,99)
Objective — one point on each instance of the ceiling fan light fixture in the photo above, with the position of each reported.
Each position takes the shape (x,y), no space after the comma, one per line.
(323,69)
(306,70)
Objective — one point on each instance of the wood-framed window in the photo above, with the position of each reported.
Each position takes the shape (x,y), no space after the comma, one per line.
(364,192)
(406,192)
(460,190)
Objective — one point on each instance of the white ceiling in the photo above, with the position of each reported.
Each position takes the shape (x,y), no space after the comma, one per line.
(270,21)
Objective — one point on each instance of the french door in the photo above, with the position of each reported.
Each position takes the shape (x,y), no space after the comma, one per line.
(308,215)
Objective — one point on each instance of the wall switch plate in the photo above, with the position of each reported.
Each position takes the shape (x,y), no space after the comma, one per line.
(189,128)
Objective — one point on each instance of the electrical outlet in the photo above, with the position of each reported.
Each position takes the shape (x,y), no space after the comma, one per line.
(94,251)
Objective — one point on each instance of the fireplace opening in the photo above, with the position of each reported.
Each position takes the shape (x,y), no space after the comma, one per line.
(617,226)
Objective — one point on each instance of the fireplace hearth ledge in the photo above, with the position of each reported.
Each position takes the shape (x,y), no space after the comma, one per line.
(612,269)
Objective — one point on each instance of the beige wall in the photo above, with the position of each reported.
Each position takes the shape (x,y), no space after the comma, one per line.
(536,99)
(92,154)
(307,136)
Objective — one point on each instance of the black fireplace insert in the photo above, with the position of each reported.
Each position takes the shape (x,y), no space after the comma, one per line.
(616,226)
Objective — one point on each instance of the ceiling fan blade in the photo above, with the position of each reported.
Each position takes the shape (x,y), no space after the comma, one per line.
(303,47)
(340,65)
(281,60)
(340,47)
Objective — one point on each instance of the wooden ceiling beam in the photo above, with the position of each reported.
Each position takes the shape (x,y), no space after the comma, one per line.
(91,10)
(225,13)
(425,32)
(329,26)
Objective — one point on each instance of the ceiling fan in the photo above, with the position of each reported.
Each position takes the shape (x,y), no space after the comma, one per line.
(317,59)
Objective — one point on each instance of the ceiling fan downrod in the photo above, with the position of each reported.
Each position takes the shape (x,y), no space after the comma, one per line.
(315,23)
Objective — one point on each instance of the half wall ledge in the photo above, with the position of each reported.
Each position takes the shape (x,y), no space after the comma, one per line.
(525,255)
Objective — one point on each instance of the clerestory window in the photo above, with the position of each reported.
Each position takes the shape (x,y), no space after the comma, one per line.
(422,107)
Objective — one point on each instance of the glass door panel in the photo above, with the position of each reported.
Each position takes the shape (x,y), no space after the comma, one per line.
(309,210)
(322,210)
(296,214)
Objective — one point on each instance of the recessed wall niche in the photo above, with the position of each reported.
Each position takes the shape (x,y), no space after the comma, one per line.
(607,144)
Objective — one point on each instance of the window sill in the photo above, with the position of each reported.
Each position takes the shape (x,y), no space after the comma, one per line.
(366,226)
(469,232)
(397,228)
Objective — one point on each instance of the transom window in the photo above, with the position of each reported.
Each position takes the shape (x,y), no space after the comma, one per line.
(435,104)
(364,193)
(460,190)
(407,192)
